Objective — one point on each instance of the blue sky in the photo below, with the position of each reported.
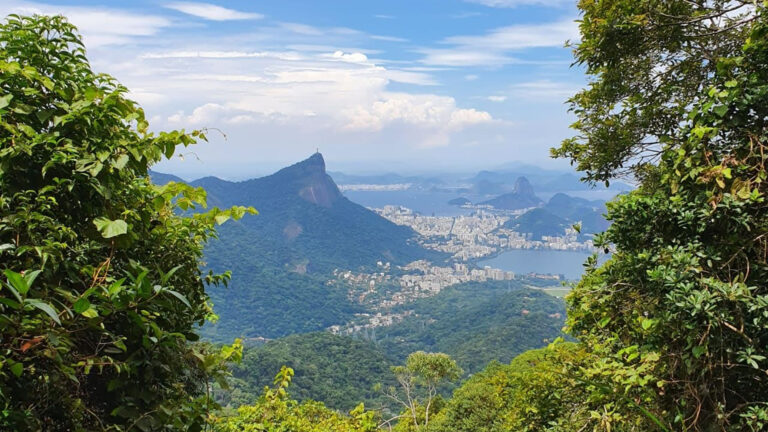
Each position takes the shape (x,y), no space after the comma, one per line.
(377,86)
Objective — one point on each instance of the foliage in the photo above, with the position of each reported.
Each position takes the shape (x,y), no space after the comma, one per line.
(475,323)
(337,370)
(101,289)
(276,412)
(677,317)
(265,298)
(419,380)
(532,393)
(649,61)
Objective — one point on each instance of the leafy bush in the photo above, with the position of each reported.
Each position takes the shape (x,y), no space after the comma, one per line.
(102,291)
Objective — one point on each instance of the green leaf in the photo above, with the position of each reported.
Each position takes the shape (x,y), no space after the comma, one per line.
(110,228)
(90,313)
(120,161)
(17,369)
(45,307)
(720,110)
(699,350)
(221,218)
(180,297)
(5,100)
(81,305)
(17,281)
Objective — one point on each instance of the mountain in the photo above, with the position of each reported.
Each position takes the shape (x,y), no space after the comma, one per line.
(161,178)
(309,225)
(281,259)
(589,213)
(538,222)
(476,322)
(521,197)
(559,213)
(485,187)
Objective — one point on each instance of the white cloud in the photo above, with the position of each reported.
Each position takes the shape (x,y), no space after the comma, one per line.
(464,57)
(329,93)
(286,55)
(517,3)
(388,38)
(521,36)
(99,26)
(544,89)
(496,98)
(471,77)
(212,12)
(429,111)
(493,48)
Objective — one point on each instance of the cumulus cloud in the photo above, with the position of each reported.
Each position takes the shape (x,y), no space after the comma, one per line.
(333,92)
(427,111)
(212,12)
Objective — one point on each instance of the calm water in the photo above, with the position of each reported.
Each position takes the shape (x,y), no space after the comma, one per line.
(424,202)
(521,261)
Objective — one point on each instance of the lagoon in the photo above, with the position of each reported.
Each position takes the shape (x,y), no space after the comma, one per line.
(523,261)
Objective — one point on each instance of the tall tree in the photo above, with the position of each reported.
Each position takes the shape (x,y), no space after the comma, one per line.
(102,290)
(679,314)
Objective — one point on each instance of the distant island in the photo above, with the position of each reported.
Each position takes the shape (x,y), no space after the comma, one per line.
(461,201)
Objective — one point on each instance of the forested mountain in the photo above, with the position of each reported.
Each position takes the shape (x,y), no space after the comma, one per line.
(281,259)
(307,225)
(475,323)
(538,222)
(560,212)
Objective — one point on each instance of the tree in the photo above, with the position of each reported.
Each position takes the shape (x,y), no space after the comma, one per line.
(677,317)
(648,61)
(420,378)
(102,290)
(532,393)
(275,411)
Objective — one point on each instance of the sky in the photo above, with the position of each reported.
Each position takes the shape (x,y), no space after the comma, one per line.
(376,86)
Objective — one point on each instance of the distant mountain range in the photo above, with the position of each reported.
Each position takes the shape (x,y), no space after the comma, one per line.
(542,180)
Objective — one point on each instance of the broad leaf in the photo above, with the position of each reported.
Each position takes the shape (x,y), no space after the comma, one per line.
(110,228)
